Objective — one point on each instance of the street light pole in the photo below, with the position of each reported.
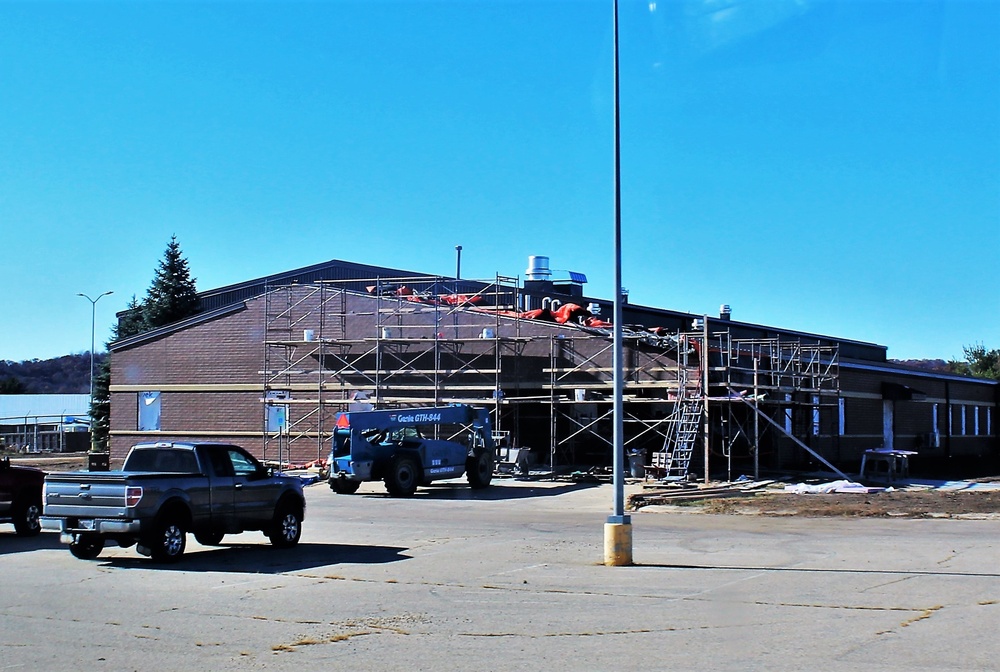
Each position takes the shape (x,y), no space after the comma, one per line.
(618,528)
(93,322)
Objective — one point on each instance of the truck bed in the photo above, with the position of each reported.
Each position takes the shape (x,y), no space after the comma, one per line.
(97,494)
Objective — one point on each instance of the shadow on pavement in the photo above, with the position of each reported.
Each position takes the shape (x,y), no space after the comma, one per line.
(264,559)
(11,543)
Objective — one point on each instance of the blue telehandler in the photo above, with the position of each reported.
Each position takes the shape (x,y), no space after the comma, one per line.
(391,446)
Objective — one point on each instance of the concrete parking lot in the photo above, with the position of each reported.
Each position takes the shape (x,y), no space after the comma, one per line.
(511,579)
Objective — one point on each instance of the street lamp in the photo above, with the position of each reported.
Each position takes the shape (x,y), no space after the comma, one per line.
(618,528)
(93,316)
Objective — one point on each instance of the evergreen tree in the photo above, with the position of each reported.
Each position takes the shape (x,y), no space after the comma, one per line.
(131,322)
(173,295)
(11,385)
(979,362)
(100,406)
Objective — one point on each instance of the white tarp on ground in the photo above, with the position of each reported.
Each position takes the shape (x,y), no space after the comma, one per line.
(826,488)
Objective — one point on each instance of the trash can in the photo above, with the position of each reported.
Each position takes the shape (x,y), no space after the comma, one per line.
(98,461)
(636,468)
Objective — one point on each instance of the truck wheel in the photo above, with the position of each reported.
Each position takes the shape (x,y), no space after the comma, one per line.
(287,526)
(168,541)
(343,486)
(403,476)
(479,470)
(87,546)
(26,513)
(209,538)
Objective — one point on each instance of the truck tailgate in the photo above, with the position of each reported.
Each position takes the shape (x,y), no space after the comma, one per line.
(85,495)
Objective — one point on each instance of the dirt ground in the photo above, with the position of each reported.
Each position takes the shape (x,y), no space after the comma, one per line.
(766,502)
(50,462)
(899,503)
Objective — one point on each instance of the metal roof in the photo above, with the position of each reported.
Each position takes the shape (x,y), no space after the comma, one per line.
(32,406)
(223,300)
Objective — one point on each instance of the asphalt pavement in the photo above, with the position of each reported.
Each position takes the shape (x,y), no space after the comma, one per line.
(511,578)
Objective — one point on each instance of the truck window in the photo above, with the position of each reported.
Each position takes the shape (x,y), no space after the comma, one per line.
(243,465)
(405,434)
(222,466)
(177,461)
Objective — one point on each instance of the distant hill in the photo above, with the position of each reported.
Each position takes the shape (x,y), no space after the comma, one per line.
(69,374)
(939,365)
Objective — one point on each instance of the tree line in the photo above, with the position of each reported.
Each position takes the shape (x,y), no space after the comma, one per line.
(69,374)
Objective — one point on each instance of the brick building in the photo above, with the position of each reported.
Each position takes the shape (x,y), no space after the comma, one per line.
(268,363)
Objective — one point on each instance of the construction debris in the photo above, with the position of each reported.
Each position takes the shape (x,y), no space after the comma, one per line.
(682,494)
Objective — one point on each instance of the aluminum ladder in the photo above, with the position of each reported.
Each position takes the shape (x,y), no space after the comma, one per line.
(679,444)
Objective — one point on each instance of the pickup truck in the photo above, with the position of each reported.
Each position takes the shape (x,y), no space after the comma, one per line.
(166,490)
(21,497)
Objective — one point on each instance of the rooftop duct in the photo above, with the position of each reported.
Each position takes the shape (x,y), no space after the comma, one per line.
(538,268)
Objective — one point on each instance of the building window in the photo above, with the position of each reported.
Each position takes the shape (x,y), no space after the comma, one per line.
(815,415)
(989,421)
(841,422)
(276,412)
(149,412)
(961,417)
(934,438)
(975,421)
(788,414)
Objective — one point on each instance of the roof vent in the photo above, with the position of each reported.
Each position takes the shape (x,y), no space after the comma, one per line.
(725,312)
(538,268)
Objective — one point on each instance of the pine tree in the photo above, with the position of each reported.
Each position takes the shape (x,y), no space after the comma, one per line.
(100,406)
(173,295)
(131,322)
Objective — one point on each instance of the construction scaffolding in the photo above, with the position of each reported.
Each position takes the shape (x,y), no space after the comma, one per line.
(793,386)
(398,342)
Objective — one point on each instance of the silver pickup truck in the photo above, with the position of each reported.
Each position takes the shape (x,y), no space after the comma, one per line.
(166,490)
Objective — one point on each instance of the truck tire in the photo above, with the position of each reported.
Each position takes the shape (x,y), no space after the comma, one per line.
(168,540)
(26,512)
(403,476)
(286,529)
(87,546)
(479,470)
(343,486)
(210,538)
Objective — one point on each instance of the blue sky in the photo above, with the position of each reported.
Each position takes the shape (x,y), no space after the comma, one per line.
(829,167)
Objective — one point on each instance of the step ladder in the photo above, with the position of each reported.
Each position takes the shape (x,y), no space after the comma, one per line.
(679,444)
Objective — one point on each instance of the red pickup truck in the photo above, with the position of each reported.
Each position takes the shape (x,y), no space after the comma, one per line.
(21,497)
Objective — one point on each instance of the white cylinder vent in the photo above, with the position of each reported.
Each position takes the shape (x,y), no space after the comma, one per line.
(538,268)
